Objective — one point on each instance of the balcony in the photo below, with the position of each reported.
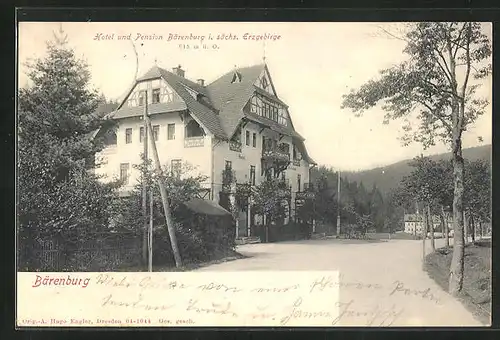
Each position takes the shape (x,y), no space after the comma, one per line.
(194,142)
(284,188)
(296,162)
(307,194)
(277,152)
(235,145)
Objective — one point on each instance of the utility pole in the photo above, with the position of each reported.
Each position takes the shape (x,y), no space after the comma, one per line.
(145,185)
(163,191)
(150,233)
(338,204)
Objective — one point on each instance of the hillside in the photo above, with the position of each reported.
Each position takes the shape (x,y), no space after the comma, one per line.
(389,176)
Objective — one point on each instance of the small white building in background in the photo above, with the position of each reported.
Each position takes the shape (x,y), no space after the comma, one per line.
(236,123)
(413,223)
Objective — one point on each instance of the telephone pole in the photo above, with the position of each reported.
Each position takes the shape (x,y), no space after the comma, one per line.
(145,185)
(150,232)
(338,204)
(164,198)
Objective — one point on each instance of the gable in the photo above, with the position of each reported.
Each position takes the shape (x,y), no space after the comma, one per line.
(268,108)
(264,82)
(158,92)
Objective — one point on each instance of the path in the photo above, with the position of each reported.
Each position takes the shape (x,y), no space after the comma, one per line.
(370,272)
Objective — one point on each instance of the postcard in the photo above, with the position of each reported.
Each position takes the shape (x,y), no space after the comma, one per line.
(254,174)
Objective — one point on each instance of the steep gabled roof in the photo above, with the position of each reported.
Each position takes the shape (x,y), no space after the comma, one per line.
(230,97)
(219,106)
(206,115)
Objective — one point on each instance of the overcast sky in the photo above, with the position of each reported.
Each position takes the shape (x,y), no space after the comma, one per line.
(312,65)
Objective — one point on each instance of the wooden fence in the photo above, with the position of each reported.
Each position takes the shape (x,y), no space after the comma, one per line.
(75,252)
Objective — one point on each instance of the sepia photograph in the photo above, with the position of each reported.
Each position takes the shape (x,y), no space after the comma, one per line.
(254,174)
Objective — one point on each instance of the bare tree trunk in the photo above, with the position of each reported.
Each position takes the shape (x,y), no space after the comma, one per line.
(446,231)
(457,261)
(480,230)
(166,206)
(430,227)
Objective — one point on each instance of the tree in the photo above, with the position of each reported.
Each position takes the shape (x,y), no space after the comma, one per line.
(395,206)
(326,195)
(269,198)
(436,82)
(56,116)
(419,185)
(182,185)
(477,194)
(377,208)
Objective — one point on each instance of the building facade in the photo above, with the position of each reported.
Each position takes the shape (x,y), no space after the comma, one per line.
(235,125)
(413,223)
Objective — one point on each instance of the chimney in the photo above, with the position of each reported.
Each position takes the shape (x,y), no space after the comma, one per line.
(201,82)
(178,71)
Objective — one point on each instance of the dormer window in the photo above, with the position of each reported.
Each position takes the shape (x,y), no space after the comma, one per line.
(142,98)
(236,77)
(156,96)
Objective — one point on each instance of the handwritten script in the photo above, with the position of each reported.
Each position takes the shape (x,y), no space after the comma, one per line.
(284,299)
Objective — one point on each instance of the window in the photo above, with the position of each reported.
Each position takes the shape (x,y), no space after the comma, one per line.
(298,181)
(229,165)
(128,135)
(156,96)
(156,131)
(124,167)
(266,108)
(283,176)
(254,140)
(171,131)
(252,174)
(142,97)
(176,165)
(247,138)
(141,134)
(264,83)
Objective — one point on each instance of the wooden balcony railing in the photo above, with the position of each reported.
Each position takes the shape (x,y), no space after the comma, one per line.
(272,150)
(235,145)
(307,193)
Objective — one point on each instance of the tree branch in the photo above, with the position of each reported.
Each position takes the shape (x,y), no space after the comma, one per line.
(468,62)
(438,116)
(458,40)
(467,74)
(391,34)
(438,89)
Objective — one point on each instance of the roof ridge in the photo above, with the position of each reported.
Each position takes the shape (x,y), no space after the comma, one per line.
(234,70)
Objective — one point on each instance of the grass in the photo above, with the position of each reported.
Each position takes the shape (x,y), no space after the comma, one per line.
(476,291)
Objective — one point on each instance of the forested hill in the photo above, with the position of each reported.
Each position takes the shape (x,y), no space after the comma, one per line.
(389,176)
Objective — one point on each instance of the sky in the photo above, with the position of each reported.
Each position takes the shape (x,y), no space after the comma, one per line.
(311,65)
